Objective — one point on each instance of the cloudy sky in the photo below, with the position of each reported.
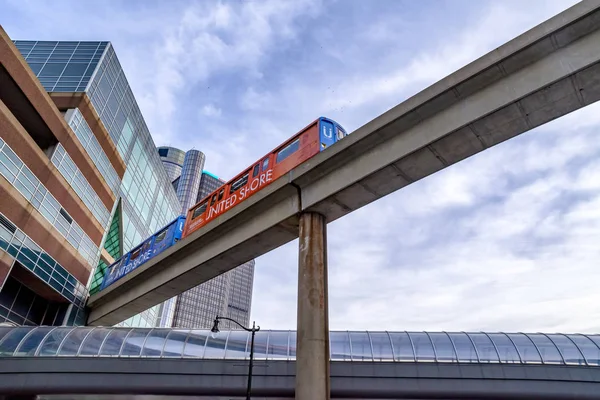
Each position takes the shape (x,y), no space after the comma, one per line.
(506,240)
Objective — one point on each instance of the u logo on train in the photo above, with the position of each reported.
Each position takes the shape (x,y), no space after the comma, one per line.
(313,139)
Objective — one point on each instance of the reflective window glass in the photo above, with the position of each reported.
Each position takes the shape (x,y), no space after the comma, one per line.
(590,350)
(506,349)
(36,66)
(4,329)
(194,346)
(569,351)
(485,348)
(155,343)
(382,346)
(52,69)
(340,346)
(288,150)
(548,350)
(199,210)
(114,341)
(31,343)
(73,341)
(423,348)
(134,342)
(13,157)
(444,350)
(464,347)
(8,163)
(292,342)
(278,345)
(215,347)
(239,183)
(53,340)
(93,341)
(260,344)
(527,350)
(12,339)
(403,348)
(174,343)
(75,69)
(361,346)
(265,164)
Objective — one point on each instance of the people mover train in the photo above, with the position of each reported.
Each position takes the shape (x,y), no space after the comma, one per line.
(155,244)
(313,139)
(307,143)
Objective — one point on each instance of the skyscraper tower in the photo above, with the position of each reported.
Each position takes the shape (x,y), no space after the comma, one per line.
(114,191)
(229,294)
(172,160)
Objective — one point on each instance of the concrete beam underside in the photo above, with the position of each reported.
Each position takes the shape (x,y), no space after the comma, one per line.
(539,76)
(197,377)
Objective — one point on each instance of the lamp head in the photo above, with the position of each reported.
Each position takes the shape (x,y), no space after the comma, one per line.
(215,328)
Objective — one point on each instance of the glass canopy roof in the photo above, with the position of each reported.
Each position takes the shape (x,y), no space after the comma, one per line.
(444,347)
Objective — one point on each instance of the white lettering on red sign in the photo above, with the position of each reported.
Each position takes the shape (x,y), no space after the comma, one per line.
(244,192)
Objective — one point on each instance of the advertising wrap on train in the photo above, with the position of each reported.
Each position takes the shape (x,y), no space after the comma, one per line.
(233,199)
(118,271)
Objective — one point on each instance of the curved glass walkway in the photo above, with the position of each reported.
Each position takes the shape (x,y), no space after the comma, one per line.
(443,347)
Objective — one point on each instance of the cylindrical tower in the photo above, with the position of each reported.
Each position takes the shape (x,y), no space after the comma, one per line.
(189,182)
(172,160)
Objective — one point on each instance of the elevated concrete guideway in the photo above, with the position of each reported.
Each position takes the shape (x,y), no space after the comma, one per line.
(545,73)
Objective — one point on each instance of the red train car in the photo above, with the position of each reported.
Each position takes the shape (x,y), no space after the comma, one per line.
(307,143)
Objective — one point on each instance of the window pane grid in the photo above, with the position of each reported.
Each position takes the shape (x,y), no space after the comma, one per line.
(49,208)
(149,342)
(38,261)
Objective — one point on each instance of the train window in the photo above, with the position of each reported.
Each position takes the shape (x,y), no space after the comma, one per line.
(199,211)
(239,183)
(265,164)
(136,254)
(288,150)
(214,199)
(256,170)
(160,237)
(221,192)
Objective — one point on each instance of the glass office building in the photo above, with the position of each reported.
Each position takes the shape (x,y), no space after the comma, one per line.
(172,160)
(229,294)
(144,197)
(55,203)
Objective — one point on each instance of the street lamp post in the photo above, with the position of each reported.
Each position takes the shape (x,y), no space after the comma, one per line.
(254,329)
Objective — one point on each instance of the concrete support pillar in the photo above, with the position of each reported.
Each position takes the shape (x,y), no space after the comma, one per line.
(312,342)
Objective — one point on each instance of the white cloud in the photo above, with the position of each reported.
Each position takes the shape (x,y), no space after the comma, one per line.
(210,110)
(213,39)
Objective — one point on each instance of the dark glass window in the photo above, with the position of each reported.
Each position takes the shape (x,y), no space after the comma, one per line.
(160,237)
(221,192)
(199,211)
(136,254)
(6,223)
(256,170)
(36,67)
(52,69)
(288,150)
(214,199)
(65,215)
(265,164)
(75,69)
(239,183)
